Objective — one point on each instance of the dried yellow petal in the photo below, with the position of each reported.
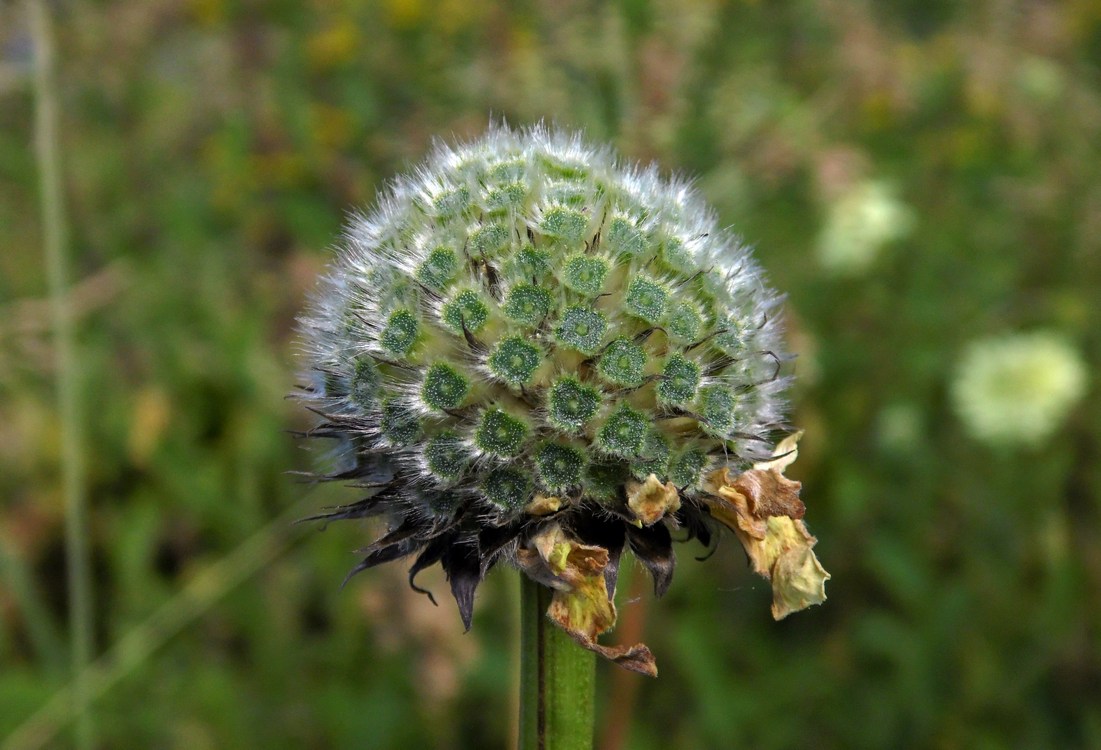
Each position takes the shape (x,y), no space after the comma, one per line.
(580,604)
(762,507)
(651,500)
(544,505)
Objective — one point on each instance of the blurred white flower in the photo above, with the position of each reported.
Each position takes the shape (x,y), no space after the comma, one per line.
(859,223)
(1040,79)
(1017,388)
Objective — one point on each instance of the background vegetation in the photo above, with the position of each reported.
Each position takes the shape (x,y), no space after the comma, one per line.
(211,149)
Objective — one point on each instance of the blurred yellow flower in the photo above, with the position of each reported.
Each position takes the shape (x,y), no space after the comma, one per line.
(332,127)
(334,45)
(1017,388)
(858,224)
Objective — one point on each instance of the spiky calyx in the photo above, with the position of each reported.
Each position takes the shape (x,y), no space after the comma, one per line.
(520,333)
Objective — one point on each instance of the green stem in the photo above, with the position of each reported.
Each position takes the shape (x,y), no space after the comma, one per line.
(557,679)
(55,234)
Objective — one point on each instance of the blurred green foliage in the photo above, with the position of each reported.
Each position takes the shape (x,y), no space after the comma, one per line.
(212,148)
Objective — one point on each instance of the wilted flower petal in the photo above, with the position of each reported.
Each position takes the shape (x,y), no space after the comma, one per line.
(762,507)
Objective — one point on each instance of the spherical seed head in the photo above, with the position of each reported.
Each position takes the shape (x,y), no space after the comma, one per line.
(523,331)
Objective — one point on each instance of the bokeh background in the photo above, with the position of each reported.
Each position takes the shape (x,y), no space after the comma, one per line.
(917,176)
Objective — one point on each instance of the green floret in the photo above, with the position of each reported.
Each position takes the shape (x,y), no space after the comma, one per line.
(500,434)
(676,257)
(508,489)
(438,269)
(391,290)
(623,433)
(489,239)
(508,197)
(684,322)
(732,339)
(507,171)
(653,458)
(528,304)
(452,202)
(565,224)
(622,363)
(686,467)
(570,404)
(444,387)
(515,360)
(400,333)
(582,329)
(625,238)
(531,262)
(559,466)
(572,194)
(679,380)
(399,423)
(366,384)
(584,274)
(465,308)
(447,456)
(715,406)
(646,299)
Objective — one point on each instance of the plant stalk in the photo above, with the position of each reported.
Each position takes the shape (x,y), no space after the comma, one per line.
(557,679)
(56,240)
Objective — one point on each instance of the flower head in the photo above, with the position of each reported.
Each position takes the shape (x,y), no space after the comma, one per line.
(531,353)
(863,220)
(1017,388)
